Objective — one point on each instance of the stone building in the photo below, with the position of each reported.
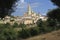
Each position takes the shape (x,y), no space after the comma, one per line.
(29,17)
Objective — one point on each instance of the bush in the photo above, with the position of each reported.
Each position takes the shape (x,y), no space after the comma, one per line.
(7,32)
(39,23)
(22,25)
(34,31)
(24,33)
(15,25)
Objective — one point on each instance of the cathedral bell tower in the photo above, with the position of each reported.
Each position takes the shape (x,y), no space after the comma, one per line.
(29,10)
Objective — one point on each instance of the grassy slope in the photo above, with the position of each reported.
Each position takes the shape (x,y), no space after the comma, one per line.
(55,35)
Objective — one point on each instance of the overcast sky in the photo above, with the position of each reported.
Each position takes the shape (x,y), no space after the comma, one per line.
(38,6)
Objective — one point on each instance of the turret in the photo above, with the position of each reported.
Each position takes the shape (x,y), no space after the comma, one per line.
(29,10)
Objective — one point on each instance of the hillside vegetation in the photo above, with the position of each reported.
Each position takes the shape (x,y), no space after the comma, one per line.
(55,35)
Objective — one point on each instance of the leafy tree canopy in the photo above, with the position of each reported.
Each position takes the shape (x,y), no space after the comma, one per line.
(54,14)
(56,2)
(6,7)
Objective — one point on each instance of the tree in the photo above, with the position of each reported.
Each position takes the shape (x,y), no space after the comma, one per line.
(56,2)
(15,25)
(54,14)
(39,23)
(51,22)
(7,32)
(22,25)
(34,31)
(54,19)
(25,33)
(6,7)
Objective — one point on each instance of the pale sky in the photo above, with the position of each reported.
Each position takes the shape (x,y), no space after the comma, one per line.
(38,6)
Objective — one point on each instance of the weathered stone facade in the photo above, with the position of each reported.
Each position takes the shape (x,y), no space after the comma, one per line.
(29,17)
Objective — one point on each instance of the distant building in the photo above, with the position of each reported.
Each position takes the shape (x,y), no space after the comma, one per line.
(29,17)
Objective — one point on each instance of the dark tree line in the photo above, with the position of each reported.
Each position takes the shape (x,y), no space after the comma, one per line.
(6,7)
(54,14)
(56,2)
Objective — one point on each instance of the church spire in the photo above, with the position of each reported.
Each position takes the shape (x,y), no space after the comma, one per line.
(29,9)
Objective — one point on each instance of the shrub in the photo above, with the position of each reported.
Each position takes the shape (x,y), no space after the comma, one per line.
(24,33)
(39,23)
(15,25)
(34,31)
(7,32)
(22,25)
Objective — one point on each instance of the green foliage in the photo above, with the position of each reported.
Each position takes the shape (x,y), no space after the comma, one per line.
(34,31)
(24,33)
(7,32)
(41,26)
(51,22)
(39,23)
(15,25)
(54,15)
(7,7)
(12,20)
(56,2)
(22,25)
